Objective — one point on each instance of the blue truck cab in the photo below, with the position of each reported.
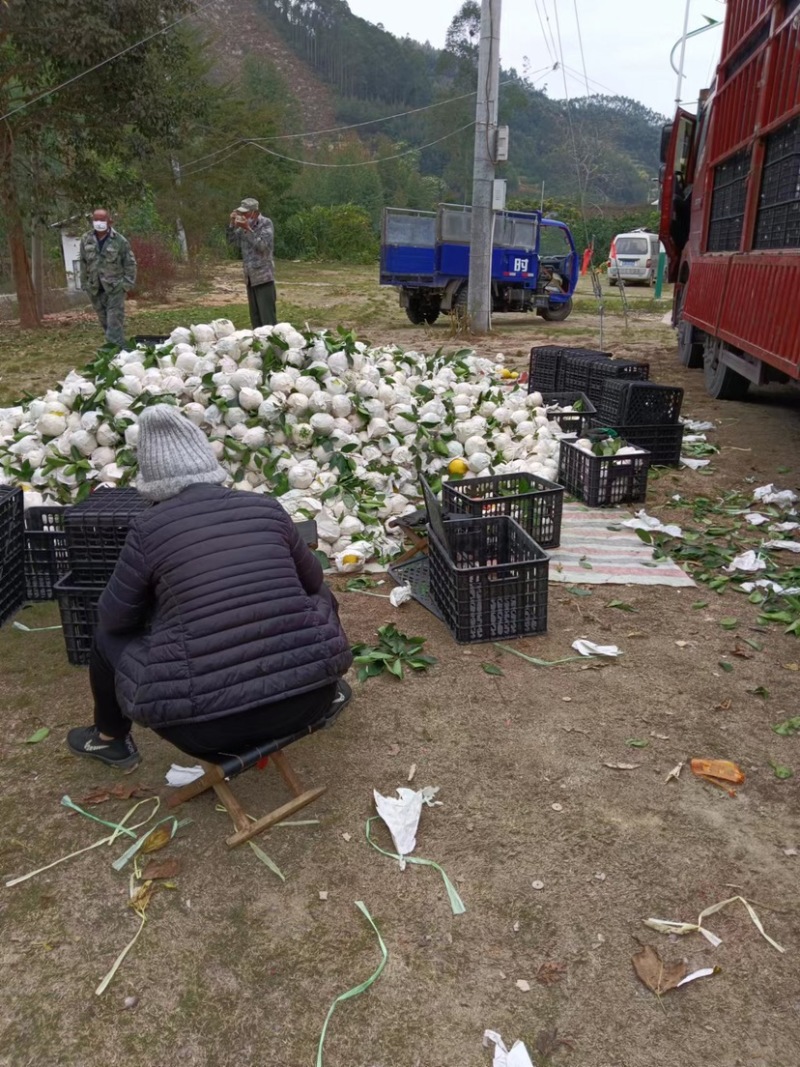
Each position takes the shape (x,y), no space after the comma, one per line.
(426,255)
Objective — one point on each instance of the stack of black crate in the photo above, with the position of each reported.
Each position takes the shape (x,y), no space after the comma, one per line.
(95,532)
(643,414)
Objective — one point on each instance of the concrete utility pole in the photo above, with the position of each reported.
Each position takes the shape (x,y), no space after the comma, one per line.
(480,261)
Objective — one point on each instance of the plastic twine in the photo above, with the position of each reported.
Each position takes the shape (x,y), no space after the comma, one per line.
(356,990)
(456,903)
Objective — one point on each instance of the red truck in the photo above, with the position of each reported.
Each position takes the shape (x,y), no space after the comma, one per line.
(730,206)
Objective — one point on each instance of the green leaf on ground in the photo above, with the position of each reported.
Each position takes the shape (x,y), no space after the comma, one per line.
(622,606)
(636,742)
(760,691)
(578,592)
(40,735)
(700,604)
(358,585)
(584,562)
(492,668)
(781,771)
(725,665)
(788,726)
(784,470)
(757,645)
(729,623)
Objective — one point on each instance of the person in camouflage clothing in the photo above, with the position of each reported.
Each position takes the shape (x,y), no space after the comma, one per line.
(254,236)
(108,272)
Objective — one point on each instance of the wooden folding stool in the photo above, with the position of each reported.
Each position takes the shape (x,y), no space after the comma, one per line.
(218,775)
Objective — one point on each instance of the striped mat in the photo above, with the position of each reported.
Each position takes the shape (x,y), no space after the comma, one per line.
(592,554)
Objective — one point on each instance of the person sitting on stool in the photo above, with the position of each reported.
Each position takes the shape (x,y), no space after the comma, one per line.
(216,629)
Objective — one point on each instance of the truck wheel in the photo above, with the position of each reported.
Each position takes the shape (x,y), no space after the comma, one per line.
(721,382)
(459,305)
(415,311)
(690,349)
(557,312)
(432,312)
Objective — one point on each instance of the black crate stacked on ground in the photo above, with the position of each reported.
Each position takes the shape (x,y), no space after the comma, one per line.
(575,370)
(543,368)
(603,371)
(487,576)
(603,481)
(46,557)
(547,366)
(570,421)
(534,502)
(77,605)
(644,414)
(662,442)
(12,551)
(633,403)
(95,531)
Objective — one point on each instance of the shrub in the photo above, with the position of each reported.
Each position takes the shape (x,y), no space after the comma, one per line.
(157,271)
(341,232)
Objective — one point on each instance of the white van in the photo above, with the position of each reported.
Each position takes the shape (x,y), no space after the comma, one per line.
(634,258)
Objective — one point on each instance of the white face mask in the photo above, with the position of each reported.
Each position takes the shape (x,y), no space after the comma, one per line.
(99,225)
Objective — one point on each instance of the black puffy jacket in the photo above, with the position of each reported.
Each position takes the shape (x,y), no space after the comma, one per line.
(225,606)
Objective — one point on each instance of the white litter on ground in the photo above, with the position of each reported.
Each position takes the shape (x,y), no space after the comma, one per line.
(177,775)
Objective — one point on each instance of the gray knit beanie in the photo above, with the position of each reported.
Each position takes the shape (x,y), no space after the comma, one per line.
(173,453)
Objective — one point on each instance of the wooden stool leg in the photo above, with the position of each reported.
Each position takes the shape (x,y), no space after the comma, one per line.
(232,806)
(258,827)
(212,776)
(286,772)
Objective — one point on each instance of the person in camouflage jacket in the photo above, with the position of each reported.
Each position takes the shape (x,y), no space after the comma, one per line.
(108,272)
(254,236)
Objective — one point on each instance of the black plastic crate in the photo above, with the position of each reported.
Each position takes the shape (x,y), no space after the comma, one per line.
(150,340)
(603,371)
(489,580)
(534,502)
(570,421)
(434,511)
(663,442)
(12,551)
(548,366)
(575,373)
(632,403)
(416,574)
(602,481)
(45,551)
(77,604)
(96,530)
(543,368)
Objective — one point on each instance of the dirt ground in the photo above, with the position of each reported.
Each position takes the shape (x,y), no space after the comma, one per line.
(235,967)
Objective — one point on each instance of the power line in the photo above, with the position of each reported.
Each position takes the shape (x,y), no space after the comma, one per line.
(334,166)
(338,129)
(594,81)
(550,25)
(105,62)
(580,44)
(581,193)
(544,34)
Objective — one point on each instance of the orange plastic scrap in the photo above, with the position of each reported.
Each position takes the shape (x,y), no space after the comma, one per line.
(718,772)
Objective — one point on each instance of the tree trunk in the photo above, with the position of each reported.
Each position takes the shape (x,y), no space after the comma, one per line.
(29,317)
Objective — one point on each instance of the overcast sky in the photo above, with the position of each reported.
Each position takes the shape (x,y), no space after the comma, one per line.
(626,42)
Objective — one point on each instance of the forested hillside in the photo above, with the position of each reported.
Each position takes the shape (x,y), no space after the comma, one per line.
(373,73)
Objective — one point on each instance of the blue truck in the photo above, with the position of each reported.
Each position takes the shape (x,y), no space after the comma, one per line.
(426,255)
